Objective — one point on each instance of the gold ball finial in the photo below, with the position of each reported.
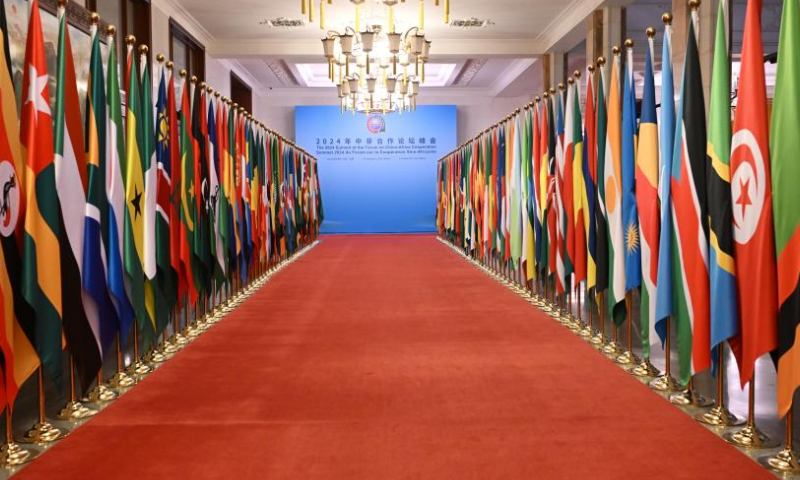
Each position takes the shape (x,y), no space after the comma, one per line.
(130,39)
(591,68)
(571,81)
(615,50)
(236,105)
(517,111)
(194,79)
(577,74)
(160,58)
(143,49)
(217,94)
(62,3)
(183,72)
(170,65)
(694,4)
(111,30)
(650,32)
(209,89)
(629,43)
(667,18)
(601,61)
(561,87)
(536,99)
(552,91)
(202,85)
(94,18)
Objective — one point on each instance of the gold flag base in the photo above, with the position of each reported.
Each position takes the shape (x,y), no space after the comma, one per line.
(645,369)
(101,394)
(178,340)
(784,462)
(585,332)
(690,398)
(122,380)
(665,383)
(749,437)
(612,348)
(74,411)
(156,357)
(598,340)
(13,455)
(43,432)
(628,358)
(139,369)
(719,416)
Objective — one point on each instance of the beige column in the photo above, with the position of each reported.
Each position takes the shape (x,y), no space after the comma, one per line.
(554,66)
(594,36)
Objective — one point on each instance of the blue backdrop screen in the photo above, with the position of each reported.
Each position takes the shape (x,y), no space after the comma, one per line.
(378,172)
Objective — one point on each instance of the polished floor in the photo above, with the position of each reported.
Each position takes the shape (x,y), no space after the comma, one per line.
(390,357)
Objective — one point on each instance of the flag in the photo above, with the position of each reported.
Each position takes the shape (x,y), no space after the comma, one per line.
(666,130)
(563,267)
(19,356)
(113,230)
(41,258)
(647,202)
(200,238)
(690,284)
(188,204)
(630,215)
(579,198)
(590,182)
(79,311)
(95,271)
(165,274)
(783,147)
(723,313)
(613,199)
(215,206)
(600,214)
(751,190)
(135,205)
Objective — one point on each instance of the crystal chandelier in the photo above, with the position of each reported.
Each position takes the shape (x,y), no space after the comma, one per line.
(307,8)
(359,61)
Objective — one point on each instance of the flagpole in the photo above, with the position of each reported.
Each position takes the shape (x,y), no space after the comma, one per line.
(599,338)
(690,397)
(138,367)
(666,383)
(121,379)
(786,460)
(720,416)
(628,358)
(74,410)
(749,436)
(42,431)
(11,453)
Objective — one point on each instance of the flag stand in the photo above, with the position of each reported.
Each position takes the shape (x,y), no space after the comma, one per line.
(121,379)
(690,397)
(101,393)
(786,460)
(719,416)
(628,358)
(571,322)
(138,367)
(599,338)
(612,348)
(42,431)
(666,383)
(74,410)
(177,339)
(11,453)
(586,329)
(749,436)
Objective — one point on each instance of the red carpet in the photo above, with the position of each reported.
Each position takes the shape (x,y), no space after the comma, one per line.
(389,357)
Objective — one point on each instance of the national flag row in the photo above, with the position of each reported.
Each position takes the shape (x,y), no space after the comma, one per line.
(697,210)
(113,221)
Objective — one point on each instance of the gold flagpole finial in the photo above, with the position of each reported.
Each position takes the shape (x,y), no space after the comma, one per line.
(667,18)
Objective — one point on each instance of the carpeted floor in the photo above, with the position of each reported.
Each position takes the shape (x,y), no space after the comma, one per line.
(389,357)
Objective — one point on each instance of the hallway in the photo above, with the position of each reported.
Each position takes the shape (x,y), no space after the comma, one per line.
(389,357)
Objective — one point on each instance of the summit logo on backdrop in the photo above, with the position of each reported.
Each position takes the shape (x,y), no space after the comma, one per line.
(376,124)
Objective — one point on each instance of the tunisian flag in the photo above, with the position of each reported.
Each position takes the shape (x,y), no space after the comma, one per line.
(751,194)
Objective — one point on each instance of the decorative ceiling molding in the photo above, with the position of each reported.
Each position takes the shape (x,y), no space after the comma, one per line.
(188,21)
(471,68)
(281,70)
(568,20)
(510,74)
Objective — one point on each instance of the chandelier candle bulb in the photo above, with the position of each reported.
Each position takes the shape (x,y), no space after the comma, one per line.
(422,14)
(322,14)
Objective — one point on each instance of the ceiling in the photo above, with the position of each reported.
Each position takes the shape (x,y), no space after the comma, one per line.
(500,59)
